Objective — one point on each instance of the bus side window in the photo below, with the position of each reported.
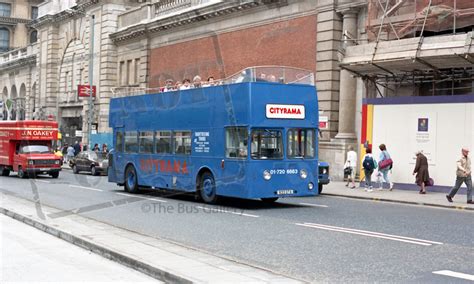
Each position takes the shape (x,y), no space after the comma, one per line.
(236,141)
(163,142)
(119,142)
(182,142)
(146,142)
(131,142)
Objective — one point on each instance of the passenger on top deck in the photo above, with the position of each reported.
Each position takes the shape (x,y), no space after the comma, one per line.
(197,82)
(186,84)
(168,87)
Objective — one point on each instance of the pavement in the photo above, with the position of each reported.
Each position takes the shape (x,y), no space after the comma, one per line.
(435,199)
(45,256)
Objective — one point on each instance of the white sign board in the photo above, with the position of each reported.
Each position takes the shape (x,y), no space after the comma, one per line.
(285,111)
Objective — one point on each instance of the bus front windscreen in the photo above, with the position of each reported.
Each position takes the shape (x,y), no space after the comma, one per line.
(267,144)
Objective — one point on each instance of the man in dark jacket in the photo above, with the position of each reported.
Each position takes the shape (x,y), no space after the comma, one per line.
(77,148)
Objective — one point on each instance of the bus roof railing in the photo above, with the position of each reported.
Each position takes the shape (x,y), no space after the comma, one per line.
(271,74)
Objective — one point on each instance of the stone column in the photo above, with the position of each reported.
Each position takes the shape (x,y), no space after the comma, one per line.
(347,83)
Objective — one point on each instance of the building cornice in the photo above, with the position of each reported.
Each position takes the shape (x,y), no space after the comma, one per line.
(29,60)
(10,21)
(218,10)
(75,12)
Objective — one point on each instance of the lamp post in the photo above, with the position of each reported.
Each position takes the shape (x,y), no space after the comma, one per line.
(91,73)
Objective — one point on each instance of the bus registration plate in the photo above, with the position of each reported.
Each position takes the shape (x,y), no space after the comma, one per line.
(285,191)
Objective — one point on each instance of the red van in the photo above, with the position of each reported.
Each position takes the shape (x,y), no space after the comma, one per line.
(25,147)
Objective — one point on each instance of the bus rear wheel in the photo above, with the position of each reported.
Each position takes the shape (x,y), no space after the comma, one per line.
(269,200)
(5,172)
(131,181)
(207,188)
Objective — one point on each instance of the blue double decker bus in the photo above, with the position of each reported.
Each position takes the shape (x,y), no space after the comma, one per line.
(252,136)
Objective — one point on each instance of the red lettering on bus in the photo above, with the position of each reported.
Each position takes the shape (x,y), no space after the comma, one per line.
(184,169)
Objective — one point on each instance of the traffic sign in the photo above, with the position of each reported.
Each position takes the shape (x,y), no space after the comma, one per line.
(84,91)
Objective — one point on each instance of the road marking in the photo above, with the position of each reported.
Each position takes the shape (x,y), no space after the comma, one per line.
(142,197)
(226,211)
(43,181)
(314,205)
(85,187)
(371,234)
(455,274)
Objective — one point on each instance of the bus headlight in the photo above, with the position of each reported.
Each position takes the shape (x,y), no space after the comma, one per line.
(303,174)
(31,162)
(267,175)
(310,186)
(325,171)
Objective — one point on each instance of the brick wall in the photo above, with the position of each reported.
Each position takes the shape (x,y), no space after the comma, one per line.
(290,43)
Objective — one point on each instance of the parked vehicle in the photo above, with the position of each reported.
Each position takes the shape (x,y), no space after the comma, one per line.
(323,175)
(89,161)
(25,147)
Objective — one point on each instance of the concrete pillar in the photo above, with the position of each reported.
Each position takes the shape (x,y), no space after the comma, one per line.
(347,83)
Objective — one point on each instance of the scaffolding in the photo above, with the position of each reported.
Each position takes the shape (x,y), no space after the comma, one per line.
(423,47)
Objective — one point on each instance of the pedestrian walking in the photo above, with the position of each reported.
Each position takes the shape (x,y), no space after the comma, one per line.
(77,148)
(104,148)
(463,175)
(96,148)
(421,171)
(350,166)
(385,165)
(369,164)
(70,154)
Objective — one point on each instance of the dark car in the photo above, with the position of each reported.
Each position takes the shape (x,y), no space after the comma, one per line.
(323,175)
(90,161)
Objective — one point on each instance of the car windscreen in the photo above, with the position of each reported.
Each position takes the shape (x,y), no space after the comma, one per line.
(35,149)
(267,144)
(97,156)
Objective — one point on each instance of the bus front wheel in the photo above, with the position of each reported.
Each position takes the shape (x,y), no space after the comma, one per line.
(131,182)
(207,188)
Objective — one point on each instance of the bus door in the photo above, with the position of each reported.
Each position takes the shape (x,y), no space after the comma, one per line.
(235,161)
(118,167)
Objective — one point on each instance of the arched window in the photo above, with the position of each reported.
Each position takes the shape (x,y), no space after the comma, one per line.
(4,39)
(33,36)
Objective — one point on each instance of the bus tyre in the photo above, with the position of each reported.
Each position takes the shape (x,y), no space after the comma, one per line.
(54,174)
(269,200)
(94,171)
(74,169)
(207,188)
(21,173)
(131,181)
(320,188)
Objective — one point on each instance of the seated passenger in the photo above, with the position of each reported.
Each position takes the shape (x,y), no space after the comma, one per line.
(168,87)
(210,82)
(186,84)
(197,82)
(272,79)
(177,86)
(262,78)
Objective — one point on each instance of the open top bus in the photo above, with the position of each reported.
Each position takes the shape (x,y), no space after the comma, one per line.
(253,136)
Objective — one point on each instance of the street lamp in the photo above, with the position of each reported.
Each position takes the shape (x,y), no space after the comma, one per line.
(91,73)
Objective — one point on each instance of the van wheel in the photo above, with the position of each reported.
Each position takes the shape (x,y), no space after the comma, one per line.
(74,169)
(131,181)
(207,188)
(269,200)
(94,171)
(55,174)
(21,173)
(5,172)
